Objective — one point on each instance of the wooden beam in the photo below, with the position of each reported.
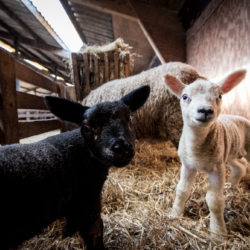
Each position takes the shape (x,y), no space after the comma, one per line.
(27,129)
(117,7)
(29,75)
(76,77)
(36,44)
(27,101)
(68,10)
(8,104)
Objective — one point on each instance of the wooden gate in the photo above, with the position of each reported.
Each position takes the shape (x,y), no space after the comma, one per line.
(11,130)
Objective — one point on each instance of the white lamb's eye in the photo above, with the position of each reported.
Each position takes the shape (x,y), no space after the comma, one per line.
(184,97)
(220,96)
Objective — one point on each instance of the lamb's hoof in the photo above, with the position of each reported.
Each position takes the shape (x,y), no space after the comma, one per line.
(219,236)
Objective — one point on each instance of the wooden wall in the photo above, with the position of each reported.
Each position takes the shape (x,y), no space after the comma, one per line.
(218,43)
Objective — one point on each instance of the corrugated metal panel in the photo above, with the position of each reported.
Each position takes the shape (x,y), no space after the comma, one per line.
(96,25)
(25,15)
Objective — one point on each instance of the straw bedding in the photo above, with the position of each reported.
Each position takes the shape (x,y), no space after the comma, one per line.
(136,205)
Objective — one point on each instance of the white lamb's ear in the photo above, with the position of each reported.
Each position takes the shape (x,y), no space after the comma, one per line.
(232,80)
(174,85)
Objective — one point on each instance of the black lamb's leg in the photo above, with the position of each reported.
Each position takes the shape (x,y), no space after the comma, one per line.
(92,232)
(70,227)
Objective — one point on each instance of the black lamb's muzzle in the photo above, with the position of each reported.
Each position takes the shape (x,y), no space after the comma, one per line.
(123,152)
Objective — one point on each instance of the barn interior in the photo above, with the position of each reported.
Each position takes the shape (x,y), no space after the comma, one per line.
(211,35)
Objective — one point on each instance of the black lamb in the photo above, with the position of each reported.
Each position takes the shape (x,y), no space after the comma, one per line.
(63,175)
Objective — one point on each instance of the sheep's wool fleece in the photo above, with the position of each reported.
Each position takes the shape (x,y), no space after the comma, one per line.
(160,117)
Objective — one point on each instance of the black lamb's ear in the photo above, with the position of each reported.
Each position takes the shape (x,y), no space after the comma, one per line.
(135,99)
(65,109)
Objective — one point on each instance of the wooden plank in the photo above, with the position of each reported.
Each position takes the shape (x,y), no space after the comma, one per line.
(27,101)
(76,76)
(8,103)
(70,93)
(117,65)
(97,77)
(29,75)
(36,44)
(127,66)
(31,128)
(35,115)
(33,110)
(106,66)
(118,7)
(61,90)
(87,87)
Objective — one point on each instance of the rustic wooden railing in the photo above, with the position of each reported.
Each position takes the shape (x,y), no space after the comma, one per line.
(11,130)
(104,59)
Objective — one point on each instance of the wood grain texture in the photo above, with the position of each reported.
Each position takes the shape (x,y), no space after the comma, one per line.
(219,43)
(29,75)
(27,129)
(8,103)
(222,44)
(163,29)
(76,76)
(27,101)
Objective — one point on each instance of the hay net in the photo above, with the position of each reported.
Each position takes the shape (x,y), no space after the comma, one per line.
(118,46)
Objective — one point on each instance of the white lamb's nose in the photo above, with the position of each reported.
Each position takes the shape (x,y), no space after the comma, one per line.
(205,111)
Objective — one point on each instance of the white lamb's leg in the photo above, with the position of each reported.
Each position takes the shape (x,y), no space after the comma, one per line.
(187,177)
(238,170)
(215,200)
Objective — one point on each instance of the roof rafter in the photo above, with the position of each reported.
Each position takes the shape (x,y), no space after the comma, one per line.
(36,44)
(16,19)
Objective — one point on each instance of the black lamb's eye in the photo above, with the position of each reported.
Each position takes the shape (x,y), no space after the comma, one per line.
(220,96)
(184,97)
(86,129)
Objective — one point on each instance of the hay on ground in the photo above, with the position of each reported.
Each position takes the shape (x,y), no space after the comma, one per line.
(137,202)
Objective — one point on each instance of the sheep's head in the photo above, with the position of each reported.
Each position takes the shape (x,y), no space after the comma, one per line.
(201,101)
(106,127)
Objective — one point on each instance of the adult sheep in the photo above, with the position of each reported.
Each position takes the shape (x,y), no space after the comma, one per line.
(63,175)
(160,117)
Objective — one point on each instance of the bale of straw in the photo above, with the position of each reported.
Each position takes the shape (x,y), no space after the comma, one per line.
(136,203)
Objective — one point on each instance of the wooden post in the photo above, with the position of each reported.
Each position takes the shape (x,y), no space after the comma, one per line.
(97,78)
(86,88)
(8,104)
(106,64)
(117,65)
(76,77)
(127,66)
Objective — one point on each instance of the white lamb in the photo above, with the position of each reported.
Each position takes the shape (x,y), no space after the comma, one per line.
(209,141)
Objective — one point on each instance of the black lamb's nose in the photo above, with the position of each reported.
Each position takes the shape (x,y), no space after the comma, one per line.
(122,146)
(205,111)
